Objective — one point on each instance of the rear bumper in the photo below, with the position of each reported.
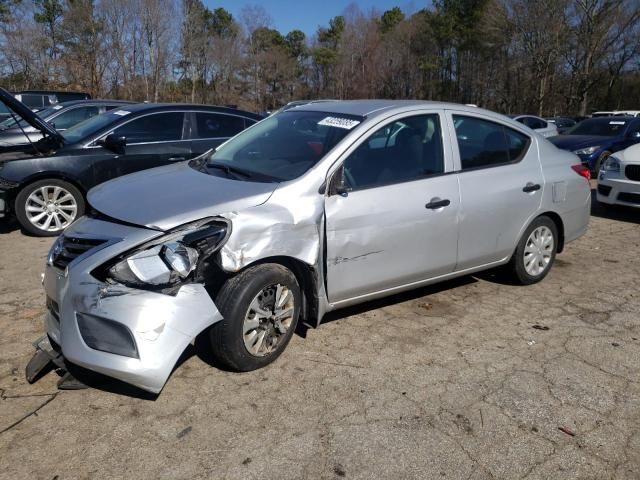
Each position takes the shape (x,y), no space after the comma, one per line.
(161,326)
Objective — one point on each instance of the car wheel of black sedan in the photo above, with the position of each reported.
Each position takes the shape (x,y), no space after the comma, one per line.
(260,307)
(45,208)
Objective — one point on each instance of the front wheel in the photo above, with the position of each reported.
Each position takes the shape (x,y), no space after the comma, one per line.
(535,252)
(45,208)
(601,159)
(260,307)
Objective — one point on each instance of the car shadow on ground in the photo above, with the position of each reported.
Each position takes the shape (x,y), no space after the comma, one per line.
(8,226)
(613,212)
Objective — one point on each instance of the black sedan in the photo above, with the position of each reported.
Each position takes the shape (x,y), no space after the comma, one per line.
(44,184)
(61,116)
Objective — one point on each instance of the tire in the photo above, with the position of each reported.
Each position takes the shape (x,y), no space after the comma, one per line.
(603,156)
(521,269)
(236,344)
(46,207)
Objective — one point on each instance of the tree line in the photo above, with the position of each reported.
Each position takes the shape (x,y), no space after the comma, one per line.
(536,56)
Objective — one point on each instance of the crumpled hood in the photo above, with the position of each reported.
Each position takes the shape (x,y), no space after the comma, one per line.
(166,197)
(576,142)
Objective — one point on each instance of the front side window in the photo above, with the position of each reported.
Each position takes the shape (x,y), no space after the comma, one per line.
(401,151)
(281,147)
(483,143)
(218,125)
(74,116)
(157,127)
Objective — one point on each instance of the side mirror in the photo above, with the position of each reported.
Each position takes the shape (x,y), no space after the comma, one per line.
(114,143)
(339,185)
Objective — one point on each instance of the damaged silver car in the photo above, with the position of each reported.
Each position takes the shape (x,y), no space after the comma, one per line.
(315,208)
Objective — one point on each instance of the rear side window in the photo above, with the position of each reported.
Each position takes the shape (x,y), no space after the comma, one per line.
(157,127)
(534,123)
(74,116)
(214,125)
(483,143)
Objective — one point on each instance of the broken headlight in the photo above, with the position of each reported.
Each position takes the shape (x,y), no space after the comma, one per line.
(170,259)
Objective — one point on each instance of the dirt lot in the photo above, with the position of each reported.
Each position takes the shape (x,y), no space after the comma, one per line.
(471,379)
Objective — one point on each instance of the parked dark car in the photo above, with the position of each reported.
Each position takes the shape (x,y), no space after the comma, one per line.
(594,139)
(60,116)
(562,123)
(38,99)
(44,184)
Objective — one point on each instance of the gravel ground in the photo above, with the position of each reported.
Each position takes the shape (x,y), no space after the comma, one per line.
(469,379)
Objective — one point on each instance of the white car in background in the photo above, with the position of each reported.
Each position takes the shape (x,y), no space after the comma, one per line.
(540,125)
(619,178)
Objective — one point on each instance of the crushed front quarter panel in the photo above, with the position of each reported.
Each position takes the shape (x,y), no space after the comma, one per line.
(162,325)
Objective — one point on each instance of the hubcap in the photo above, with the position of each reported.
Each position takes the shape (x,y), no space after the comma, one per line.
(268,319)
(51,208)
(538,251)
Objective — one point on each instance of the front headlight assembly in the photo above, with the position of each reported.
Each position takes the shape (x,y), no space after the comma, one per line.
(169,260)
(586,151)
(611,164)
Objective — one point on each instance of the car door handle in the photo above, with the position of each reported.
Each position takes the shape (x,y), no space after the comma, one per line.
(176,159)
(437,203)
(531,187)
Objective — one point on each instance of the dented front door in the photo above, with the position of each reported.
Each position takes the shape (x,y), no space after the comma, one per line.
(386,237)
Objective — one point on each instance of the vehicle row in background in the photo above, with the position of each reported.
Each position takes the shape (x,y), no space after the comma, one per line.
(594,139)
(540,125)
(60,116)
(44,184)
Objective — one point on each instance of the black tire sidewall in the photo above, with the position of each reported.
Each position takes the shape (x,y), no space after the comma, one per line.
(21,200)
(603,156)
(517,263)
(233,302)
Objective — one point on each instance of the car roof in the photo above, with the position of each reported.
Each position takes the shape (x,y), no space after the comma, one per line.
(71,103)
(151,107)
(373,108)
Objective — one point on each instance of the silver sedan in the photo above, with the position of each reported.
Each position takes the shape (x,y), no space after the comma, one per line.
(315,208)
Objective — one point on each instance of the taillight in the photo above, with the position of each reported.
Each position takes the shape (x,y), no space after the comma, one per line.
(582,170)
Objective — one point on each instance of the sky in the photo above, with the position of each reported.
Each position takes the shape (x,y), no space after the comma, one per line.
(307,15)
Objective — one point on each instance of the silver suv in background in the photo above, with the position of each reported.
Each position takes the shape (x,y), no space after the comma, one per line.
(315,208)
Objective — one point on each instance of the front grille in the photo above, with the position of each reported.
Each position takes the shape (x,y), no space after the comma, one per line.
(632,172)
(629,197)
(604,190)
(69,248)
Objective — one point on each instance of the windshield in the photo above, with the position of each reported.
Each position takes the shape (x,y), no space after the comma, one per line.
(606,127)
(92,126)
(281,147)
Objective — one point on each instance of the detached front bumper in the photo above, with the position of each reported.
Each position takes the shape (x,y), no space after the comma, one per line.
(160,326)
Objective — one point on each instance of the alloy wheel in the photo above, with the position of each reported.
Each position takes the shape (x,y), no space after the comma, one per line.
(268,318)
(51,208)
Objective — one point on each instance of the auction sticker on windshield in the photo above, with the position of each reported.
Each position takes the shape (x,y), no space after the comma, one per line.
(338,122)
(616,123)
(121,113)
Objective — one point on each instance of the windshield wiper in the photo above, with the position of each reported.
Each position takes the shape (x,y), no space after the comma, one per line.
(238,172)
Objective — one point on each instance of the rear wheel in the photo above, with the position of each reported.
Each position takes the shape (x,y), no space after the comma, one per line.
(45,208)
(260,307)
(535,252)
